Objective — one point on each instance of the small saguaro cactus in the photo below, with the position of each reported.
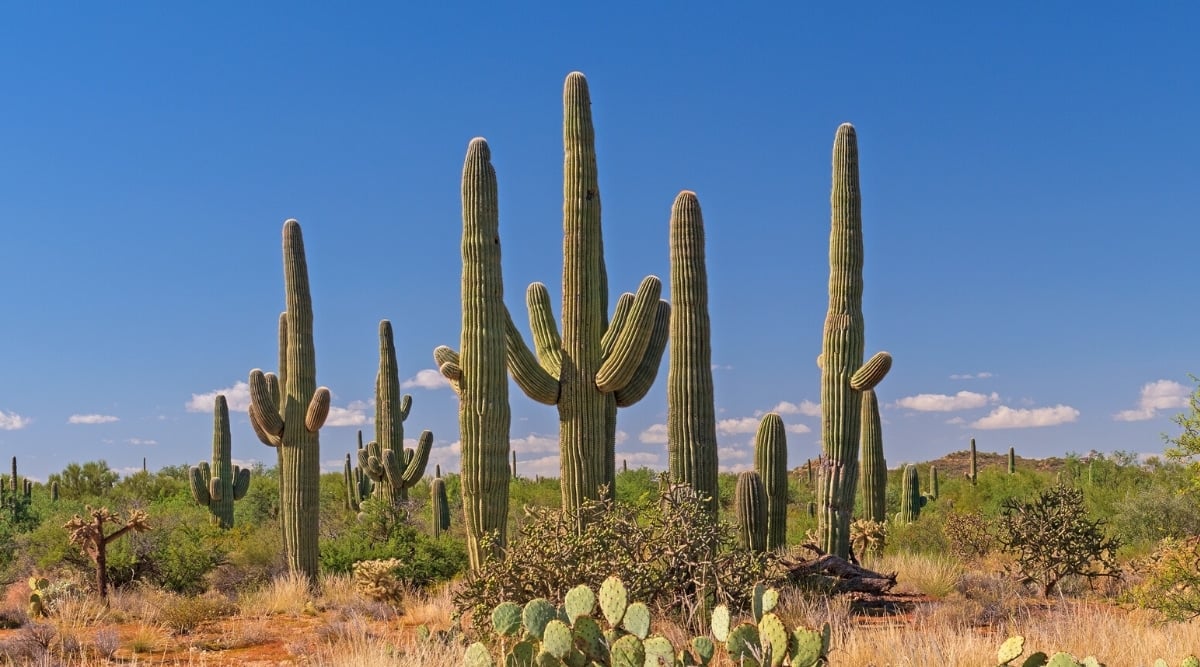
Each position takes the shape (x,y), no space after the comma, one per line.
(770,462)
(440,505)
(973,471)
(216,487)
(911,500)
(392,467)
(873,475)
(288,411)
(1012,461)
(54,491)
(89,535)
(596,365)
(750,503)
(933,482)
(27,489)
(358,485)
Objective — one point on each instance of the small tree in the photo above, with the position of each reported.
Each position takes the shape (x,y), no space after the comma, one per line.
(1052,538)
(89,535)
(1186,446)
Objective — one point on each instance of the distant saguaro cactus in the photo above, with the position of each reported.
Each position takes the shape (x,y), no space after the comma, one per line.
(288,411)
(392,467)
(844,376)
(440,505)
(933,482)
(596,365)
(1012,461)
(911,500)
(770,462)
(216,487)
(477,374)
(973,472)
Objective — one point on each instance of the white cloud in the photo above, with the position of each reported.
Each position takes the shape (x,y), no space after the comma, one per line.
(741,466)
(429,378)
(346,416)
(621,436)
(805,407)
(726,453)
(237,398)
(141,441)
(796,428)
(546,466)
(956,420)
(963,400)
(11,421)
(656,434)
(534,443)
(1006,417)
(971,376)
(641,459)
(720,367)
(737,425)
(92,419)
(1156,396)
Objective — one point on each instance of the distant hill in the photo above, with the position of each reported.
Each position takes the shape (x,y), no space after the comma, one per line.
(956,464)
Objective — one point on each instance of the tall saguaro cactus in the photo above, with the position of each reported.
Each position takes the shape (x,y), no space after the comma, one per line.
(288,411)
(392,467)
(691,415)
(595,366)
(770,462)
(218,485)
(874,466)
(844,376)
(477,373)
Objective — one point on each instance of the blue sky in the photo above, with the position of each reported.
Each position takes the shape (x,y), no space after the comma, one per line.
(1029,182)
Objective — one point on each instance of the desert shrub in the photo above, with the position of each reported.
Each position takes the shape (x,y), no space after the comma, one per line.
(923,536)
(184,613)
(1155,514)
(969,535)
(254,559)
(1171,579)
(670,555)
(381,535)
(1052,538)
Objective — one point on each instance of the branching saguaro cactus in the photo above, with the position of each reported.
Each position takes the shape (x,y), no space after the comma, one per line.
(216,487)
(287,412)
(750,503)
(477,373)
(844,376)
(874,466)
(770,462)
(89,535)
(595,366)
(691,412)
(385,460)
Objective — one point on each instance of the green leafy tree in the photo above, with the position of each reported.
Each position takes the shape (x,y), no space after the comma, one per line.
(93,479)
(1186,446)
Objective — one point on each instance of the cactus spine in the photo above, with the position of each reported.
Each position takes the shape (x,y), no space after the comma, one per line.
(440,505)
(477,374)
(392,467)
(911,499)
(287,413)
(216,487)
(874,466)
(973,472)
(596,365)
(691,415)
(750,503)
(1012,461)
(770,462)
(844,376)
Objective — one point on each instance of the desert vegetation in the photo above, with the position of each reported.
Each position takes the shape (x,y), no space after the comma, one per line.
(969,560)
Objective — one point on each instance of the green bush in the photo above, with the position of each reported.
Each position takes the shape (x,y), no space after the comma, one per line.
(1171,579)
(969,535)
(1155,514)
(381,534)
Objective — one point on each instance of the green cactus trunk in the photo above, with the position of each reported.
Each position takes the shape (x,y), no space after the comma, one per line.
(874,466)
(54,491)
(1012,461)
(595,366)
(478,374)
(844,376)
(288,412)
(750,504)
(933,482)
(770,462)
(973,471)
(911,499)
(440,506)
(218,485)
(393,468)
(691,415)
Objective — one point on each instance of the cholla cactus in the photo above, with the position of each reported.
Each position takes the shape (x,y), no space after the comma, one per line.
(377,580)
(868,536)
(89,535)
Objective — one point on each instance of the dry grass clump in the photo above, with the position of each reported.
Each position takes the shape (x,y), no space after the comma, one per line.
(288,594)
(929,574)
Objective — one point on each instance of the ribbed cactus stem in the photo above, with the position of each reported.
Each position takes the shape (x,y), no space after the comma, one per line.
(933,482)
(770,462)
(844,376)
(750,504)
(478,374)
(973,471)
(595,366)
(514,465)
(910,496)
(351,486)
(14,477)
(54,491)
(392,467)
(691,414)
(218,485)
(1012,461)
(874,465)
(440,506)
(288,413)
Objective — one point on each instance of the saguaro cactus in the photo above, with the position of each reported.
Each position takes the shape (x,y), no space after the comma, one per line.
(874,466)
(911,499)
(933,482)
(844,376)
(477,374)
(750,503)
(216,487)
(1012,461)
(440,505)
(392,467)
(973,471)
(770,462)
(288,412)
(691,415)
(595,366)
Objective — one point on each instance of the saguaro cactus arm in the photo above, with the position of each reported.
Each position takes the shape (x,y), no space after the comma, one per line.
(546,340)
(198,477)
(525,368)
(629,345)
